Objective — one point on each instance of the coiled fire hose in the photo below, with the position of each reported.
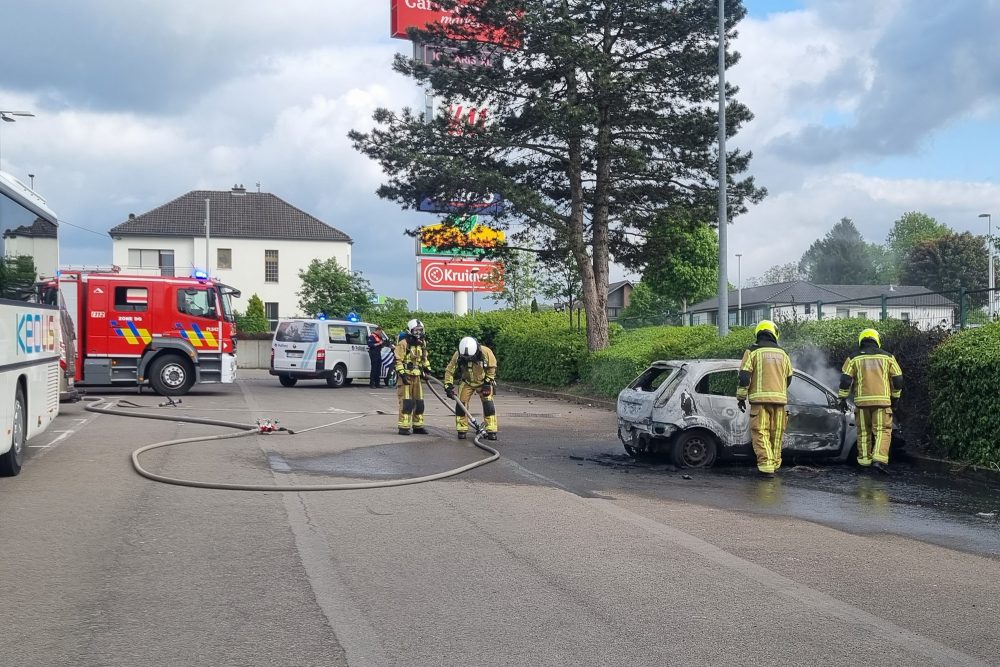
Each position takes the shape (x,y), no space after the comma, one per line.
(127,409)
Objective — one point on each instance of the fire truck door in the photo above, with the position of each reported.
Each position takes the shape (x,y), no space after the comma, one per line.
(96,312)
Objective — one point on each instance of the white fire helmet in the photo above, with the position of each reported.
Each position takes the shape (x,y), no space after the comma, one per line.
(413,325)
(467,347)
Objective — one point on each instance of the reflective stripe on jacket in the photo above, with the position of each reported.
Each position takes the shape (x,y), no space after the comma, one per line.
(875,376)
(765,374)
(411,359)
(472,372)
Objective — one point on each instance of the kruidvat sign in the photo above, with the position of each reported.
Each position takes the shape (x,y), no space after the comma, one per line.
(406,14)
(494,205)
(441,275)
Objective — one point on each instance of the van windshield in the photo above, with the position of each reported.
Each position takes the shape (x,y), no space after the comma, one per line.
(297,332)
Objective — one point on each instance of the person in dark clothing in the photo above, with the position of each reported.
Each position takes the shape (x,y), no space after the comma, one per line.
(376,341)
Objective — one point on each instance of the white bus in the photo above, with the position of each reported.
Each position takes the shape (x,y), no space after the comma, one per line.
(30,335)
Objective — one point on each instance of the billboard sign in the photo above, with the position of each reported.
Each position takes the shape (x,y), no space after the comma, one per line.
(406,14)
(434,56)
(455,275)
(493,205)
(465,239)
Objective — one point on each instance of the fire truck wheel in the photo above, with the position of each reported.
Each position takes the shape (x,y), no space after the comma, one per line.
(171,375)
(11,460)
(339,377)
(287,380)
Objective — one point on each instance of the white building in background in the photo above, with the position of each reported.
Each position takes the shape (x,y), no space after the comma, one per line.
(39,240)
(803,301)
(256,243)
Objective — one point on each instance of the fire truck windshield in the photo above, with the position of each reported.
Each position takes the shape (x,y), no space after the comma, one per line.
(225,298)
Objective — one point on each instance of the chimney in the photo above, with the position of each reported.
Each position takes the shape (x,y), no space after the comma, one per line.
(239,190)
(131,216)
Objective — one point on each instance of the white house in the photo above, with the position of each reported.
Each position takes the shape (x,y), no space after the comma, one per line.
(256,242)
(39,240)
(801,300)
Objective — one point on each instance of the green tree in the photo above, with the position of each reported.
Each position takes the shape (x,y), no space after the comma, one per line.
(254,320)
(842,257)
(329,288)
(646,307)
(909,231)
(679,257)
(779,273)
(605,112)
(560,282)
(515,282)
(17,277)
(948,263)
(391,313)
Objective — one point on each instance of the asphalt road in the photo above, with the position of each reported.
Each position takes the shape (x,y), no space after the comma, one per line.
(564,552)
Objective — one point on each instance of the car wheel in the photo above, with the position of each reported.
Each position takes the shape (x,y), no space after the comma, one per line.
(695,449)
(339,377)
(171,375)
(287,380)
(13,458)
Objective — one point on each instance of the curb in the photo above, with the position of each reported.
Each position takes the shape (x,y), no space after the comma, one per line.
(559,396)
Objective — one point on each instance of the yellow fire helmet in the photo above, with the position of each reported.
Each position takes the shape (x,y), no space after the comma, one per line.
(870,333)
(766,325)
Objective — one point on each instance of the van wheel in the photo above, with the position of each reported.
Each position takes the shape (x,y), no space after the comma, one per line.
(287,380)
(11,460)
(694,449)
(171,375)
(339,376)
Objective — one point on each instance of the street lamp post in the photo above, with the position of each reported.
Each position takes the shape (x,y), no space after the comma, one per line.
(739,289)
(8,117)
(475,274)
(989,255)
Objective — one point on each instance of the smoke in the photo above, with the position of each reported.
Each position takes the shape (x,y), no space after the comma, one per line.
(814,362)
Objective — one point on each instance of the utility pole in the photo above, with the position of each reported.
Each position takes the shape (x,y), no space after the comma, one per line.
(723,199)
(208,223)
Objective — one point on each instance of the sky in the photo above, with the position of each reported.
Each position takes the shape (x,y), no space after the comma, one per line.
(862,109)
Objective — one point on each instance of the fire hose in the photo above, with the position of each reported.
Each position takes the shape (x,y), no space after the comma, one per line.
(124,408)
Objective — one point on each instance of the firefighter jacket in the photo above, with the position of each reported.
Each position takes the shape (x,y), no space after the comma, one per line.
(765,373)
(474,372)
(411,357)
(875,376)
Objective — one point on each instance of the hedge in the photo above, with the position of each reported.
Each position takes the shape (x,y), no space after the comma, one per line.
(964,401)
(611,369)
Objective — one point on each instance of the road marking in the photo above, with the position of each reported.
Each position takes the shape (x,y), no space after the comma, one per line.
(882,629)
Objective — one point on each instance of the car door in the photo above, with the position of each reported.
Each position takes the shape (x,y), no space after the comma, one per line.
(815,424)
(357,338)
(715,399)
(294,346)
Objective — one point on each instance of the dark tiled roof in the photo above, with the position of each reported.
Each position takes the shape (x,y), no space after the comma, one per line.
(614,287)
(800,291)
(247,215)
(39,229)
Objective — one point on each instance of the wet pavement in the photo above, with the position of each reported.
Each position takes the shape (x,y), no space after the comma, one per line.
(932,502)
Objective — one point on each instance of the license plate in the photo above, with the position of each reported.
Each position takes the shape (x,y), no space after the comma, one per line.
(294,354)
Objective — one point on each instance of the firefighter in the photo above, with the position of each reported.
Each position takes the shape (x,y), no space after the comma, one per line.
(412,365)
(477,372)
(877,380)
(765,373)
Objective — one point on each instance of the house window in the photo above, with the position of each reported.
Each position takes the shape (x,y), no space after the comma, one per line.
(863,314)
(809,309)
(905,317)
(160,260)
(131,299)
(271,313)
(224,258)
(270,266)
(843,313)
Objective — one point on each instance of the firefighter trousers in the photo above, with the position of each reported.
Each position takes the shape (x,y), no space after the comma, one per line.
(874,434)
(767,429)
(411,401)
(465,392)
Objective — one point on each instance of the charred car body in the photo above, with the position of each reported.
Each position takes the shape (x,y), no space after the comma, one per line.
(687,409)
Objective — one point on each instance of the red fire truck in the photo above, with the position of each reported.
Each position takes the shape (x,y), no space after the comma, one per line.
(168,333)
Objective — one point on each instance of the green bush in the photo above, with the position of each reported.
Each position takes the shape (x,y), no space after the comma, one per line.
(254,321)
(964,402)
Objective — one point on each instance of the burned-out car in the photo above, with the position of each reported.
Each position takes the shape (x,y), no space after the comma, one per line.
(687,409)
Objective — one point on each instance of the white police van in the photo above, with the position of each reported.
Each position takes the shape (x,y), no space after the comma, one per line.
(312,349)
